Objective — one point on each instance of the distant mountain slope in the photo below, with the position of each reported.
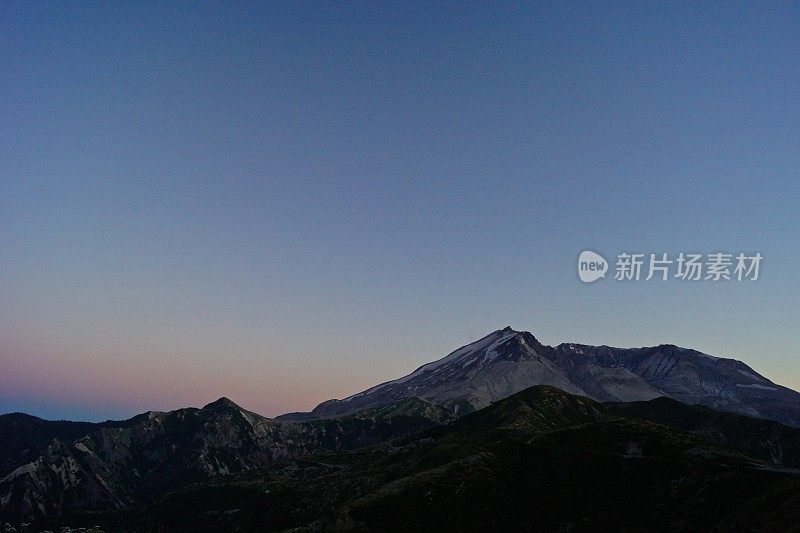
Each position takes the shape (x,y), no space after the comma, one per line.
(539,460)
(507,361)
(686,375)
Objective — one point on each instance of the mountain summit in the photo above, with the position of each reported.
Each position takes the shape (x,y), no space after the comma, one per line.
(221,405)
(498,365)
(507,361)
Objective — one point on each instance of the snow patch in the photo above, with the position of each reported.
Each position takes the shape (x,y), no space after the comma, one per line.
(491,350)
(490,342)
(706,356)
(755,386)
(751,375)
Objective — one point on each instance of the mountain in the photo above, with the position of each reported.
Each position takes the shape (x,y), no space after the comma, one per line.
(756,437)
(507,361)
(21,435)
(53,468)
(539,460)
(478,392)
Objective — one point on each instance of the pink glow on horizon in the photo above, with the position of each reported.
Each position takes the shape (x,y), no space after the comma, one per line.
(124,384)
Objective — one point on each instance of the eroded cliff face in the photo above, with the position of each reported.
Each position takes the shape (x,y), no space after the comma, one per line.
(111,467)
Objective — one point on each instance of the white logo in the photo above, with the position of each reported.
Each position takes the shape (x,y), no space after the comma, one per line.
(591,266)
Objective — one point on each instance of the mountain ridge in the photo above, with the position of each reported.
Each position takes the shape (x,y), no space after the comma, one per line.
(541,459)
(506,361)
(49,468)
(67,467)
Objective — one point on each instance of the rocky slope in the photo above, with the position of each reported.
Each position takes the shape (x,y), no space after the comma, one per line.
(507,361)
(540,460)
(115,464)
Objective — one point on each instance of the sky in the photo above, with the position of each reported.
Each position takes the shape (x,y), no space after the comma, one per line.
(288,202)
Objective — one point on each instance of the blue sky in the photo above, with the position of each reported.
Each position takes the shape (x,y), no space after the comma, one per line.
(290,202)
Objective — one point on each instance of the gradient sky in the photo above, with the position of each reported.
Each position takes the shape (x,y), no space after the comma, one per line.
(289,202)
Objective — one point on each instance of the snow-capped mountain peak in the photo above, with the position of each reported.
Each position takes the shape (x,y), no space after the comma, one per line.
(507,361)
(467,378)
